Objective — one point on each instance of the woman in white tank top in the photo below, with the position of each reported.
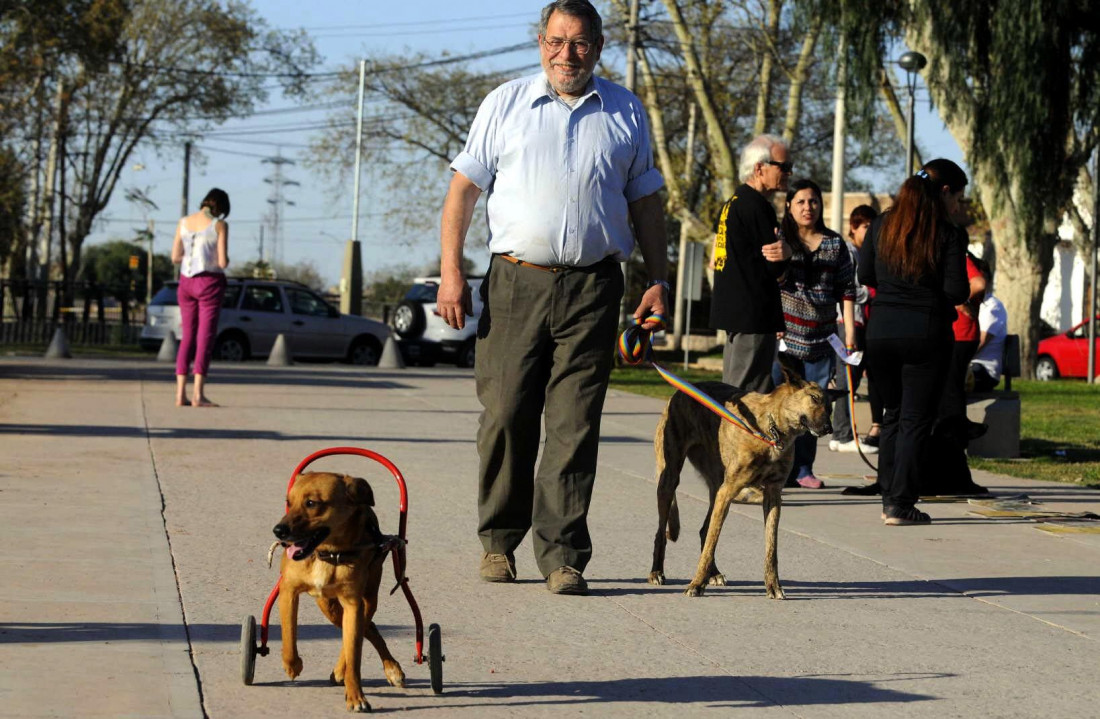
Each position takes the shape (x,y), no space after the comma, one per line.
(201,249)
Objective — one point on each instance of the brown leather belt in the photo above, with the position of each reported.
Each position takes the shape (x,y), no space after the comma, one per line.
(532,265)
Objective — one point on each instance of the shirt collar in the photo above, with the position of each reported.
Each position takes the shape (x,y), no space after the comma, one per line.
(540,90)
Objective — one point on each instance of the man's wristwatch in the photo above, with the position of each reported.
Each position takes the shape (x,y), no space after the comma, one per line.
(662,283)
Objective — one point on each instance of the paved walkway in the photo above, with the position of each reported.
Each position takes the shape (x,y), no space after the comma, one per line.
(133,541)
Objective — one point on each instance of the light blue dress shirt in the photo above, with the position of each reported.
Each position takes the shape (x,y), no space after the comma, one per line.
(559,178)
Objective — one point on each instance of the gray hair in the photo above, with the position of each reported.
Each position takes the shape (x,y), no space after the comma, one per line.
(575,8)
(759,149)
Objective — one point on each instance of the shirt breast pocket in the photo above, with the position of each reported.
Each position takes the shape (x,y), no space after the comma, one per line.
(614,156)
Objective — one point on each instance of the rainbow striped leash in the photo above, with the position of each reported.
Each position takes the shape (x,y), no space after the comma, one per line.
(636,346)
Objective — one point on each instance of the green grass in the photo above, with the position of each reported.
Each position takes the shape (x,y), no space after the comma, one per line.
(645,380)
(1059,434)
(1059,423)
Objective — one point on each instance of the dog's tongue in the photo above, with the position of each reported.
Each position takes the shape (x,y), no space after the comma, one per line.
(295,551)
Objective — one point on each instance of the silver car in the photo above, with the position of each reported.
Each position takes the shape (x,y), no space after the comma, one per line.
(255,312)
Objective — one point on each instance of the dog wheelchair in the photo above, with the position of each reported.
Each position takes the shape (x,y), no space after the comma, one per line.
(396,545)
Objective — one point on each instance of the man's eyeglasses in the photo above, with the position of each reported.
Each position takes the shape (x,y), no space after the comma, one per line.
(784,167)
(556,45)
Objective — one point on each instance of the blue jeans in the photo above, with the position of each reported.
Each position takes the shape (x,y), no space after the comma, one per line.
(819,371)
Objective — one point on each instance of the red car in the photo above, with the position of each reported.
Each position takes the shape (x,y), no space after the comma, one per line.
(1067,354)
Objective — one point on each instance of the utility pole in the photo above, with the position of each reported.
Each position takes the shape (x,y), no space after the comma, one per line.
(836,215)
(681,269)
(631,61)
(278,182)
(185,204)
(1092,267)
(149,267)
(45,237)
(351,278)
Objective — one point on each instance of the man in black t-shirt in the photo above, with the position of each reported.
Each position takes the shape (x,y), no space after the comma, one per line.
(749,261)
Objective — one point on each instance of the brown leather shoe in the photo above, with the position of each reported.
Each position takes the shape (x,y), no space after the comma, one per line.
(498,568)
(566,580)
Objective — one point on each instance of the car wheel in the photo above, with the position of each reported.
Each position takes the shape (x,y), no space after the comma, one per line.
(231,347)
(1045,369)
(466,354)
(365,351)
(408,319)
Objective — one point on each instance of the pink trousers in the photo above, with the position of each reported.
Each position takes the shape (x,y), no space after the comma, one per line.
(200,301)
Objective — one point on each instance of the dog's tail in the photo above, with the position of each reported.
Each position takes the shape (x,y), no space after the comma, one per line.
(672,530)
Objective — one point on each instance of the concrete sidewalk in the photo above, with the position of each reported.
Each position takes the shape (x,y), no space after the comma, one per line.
(134,537)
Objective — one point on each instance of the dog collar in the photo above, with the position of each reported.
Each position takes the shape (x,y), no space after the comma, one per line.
(348,556)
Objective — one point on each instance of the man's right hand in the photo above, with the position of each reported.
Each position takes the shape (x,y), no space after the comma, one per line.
(454,301)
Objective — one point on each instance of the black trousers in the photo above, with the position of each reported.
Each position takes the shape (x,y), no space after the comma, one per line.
(910,374)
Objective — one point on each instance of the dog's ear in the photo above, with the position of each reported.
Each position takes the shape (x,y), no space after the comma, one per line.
(359,492)
(790,375)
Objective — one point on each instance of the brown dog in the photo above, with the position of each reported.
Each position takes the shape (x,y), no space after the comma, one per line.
(335,552)
(730,459)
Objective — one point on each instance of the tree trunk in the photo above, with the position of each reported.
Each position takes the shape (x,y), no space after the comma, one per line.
(798,79)
(767,64)
(724,166)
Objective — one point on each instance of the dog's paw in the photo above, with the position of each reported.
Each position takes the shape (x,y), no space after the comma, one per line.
(775,592)
(394,675)
(694,590)
(717,580)
(656,578)
(333,680)
(356,702)
(293,667)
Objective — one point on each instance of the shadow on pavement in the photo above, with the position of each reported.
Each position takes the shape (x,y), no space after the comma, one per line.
(930,589)
(712,691)
(87,430)
(57,632)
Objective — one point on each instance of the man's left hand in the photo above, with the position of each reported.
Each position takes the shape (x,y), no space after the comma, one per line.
(654,302)
(778,251)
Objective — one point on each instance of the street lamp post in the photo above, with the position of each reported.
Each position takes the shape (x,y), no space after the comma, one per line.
(912,63)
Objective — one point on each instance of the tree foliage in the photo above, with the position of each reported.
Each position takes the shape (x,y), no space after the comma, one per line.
(417,112)
(108,264)
(1016,83)
(100,76)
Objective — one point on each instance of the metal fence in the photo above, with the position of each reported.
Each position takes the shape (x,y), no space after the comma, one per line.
(31,311)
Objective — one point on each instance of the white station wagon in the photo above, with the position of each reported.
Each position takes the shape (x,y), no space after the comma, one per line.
(255,312)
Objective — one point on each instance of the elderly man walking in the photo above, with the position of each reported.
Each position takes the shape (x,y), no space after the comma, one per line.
(749,261)
(566,161)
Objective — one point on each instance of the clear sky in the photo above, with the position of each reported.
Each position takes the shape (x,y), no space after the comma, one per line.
(317,225)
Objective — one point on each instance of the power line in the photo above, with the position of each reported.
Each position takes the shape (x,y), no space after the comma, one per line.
(333,73)
(412,23)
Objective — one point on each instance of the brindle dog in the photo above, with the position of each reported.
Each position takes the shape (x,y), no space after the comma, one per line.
(730,459)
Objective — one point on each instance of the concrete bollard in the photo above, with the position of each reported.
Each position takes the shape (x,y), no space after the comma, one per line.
(281,355)
(59,346)
(391,356)
(168,348)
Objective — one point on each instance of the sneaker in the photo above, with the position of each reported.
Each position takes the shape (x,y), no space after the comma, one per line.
(904,516)
(833,444)
(853,447)
(566,580)
(867,490)
(498,568)
(810,482)
(870,440)
(749,495)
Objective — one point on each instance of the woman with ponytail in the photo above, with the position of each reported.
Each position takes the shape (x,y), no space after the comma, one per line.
(915,258)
